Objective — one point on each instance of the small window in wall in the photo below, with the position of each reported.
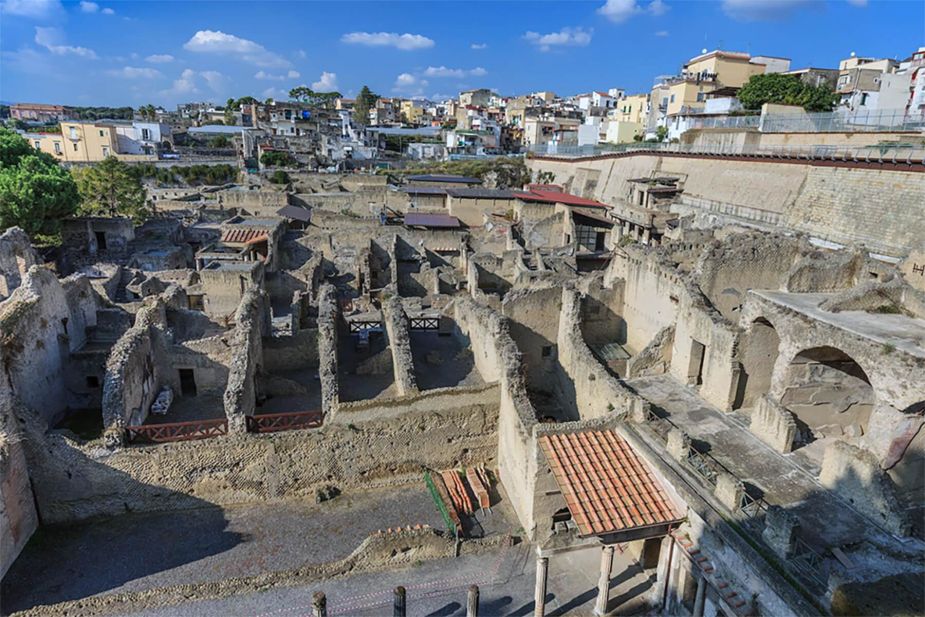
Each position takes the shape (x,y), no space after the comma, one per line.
(100,240)
(57,147)
(75,147)
(102,133)
(93,382)
(547,351)
(38,145)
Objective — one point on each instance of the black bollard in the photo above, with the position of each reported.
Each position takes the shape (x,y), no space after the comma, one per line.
(399,603)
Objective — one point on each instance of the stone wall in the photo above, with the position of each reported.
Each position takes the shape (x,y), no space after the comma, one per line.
(396,327)
(16,257)
(595,392)
(370,447)
(42,322)
(773,424)
(327,349)
(18,517)
(251,325)
(837,204)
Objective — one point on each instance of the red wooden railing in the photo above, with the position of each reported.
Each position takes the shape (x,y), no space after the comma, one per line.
(176,431)
(273,422)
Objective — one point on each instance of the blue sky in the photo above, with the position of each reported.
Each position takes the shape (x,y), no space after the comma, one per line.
(132,53)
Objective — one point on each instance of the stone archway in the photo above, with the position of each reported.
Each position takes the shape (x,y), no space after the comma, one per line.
(828,393)
(760,348)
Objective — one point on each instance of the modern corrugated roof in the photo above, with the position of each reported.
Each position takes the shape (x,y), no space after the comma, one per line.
(295,213)
(556,197)
(606,486)
(480,193)
(431,220)
(423,190)
(443,178)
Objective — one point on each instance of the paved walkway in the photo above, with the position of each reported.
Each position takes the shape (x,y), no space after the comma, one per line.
(825,518)
(144,551)
(506,580)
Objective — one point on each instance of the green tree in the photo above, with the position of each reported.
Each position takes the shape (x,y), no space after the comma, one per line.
(111,188)
(35,192)
(661,133)
(364,102)
(229,112)
(219,141)
(781,89)
(274,158)
(279,177)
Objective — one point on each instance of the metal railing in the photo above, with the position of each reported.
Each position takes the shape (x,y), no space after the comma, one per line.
(703,464)
(424,323)
(752,506)
(839,121)
(807,561)
(176,431)
(894,153)
(275,422)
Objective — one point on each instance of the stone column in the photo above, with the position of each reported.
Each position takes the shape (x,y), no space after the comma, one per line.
(603,583)
(539,596)
(663,571)
(699,598)
(678,444)
(729,491)
(319,605)
(472,602)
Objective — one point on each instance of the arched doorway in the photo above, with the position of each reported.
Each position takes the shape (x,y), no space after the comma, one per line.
(759,353)
(829,394)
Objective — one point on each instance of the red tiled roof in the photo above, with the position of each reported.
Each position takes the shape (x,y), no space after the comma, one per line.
(606,485)
(557,197)
(245,236)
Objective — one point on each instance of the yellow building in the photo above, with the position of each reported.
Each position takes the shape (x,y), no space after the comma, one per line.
(727,68)
(78,142)
(412,111)
(631,109)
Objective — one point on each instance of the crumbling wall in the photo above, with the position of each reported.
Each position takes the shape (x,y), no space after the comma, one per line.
(584,380)
(534,326)
(655,358)
(650,298)
(41,323)
(855,475)
(136,370)
(16,257)
(396,328)
(773,424)
(209,358)
(327,349)
(390,447)
(18,517)
(251,324)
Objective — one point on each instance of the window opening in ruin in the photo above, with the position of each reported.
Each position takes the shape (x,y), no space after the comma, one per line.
(100,240)
(599,242)
(695,369)
(187,382)
(93,381)
(688,589)
(547,351)
(64,324)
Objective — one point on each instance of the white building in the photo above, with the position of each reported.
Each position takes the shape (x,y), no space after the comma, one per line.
(143,137)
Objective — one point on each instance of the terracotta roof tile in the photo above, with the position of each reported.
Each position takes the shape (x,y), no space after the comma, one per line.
(606,486)
(245,235)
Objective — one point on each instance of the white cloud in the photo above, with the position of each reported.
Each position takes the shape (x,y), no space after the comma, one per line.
(185,84)
(133,72)
(34,9)
(326,83)
(190,81)
(479,46)
(216,41)
(409,85)
(618,11)
(52,39)
(89,7)
(858,3)
(442,71)
(108,11)
(567,37)
(406,42)
(662,33)
(263,75)
(301,54)
(276,94)
(159,58)
(765,10)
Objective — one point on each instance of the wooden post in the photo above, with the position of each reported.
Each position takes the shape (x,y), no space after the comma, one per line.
(319,605)
(398,607)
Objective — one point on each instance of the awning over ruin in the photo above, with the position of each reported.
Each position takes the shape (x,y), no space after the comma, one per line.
(608,488)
